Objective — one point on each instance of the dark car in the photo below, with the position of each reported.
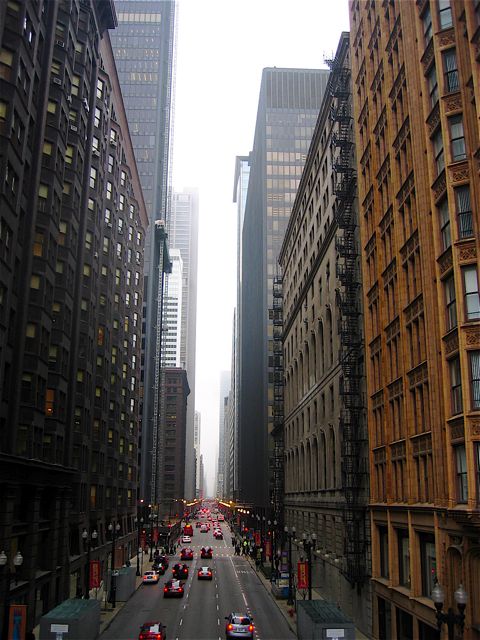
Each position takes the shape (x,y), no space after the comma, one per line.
(206,553)
(186,554)
(152,631)
(180,571)
(239,625)
(159,568)
(173,588)
(205,573)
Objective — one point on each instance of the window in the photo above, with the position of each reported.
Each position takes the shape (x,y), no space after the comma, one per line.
(456,385)
(474,358)
(438,151)
(93,177)
(110,163)
(100,85)
(383,545)
(47,148)
(432,86)
(450,70)
(428,560)
(445,14)
(403,558)
(49,402)
(464,211)
(461,472)
(427,25)
(472,299)
(69,154)
(451,304)
(457,138)
(445,224)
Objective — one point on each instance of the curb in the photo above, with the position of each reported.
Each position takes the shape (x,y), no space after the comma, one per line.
(106,624)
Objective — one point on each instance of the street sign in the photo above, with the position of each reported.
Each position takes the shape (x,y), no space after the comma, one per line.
(59,628)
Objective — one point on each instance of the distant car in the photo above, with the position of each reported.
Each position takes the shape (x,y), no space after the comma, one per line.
(204,573)
(188,530)
(206,553)
(218,534)
(180,571)
(186,554)
(198,524)
(173,588)
(186,539)
(221,518)
(239,625)
(150,577)
(152,631)
(203,528)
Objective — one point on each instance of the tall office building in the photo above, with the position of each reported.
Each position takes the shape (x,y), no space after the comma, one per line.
(72,230)
(183,235)
(172,311)
(324,433)
(288,108)
(197,438)
(144,48)
(224,390)
(415,71)
(240,189)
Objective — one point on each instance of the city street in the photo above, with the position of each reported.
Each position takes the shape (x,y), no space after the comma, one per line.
(200,614)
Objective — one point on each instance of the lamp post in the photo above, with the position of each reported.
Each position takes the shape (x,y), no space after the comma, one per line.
(263,536)
(87,542)
(309,543)
(450,618)
(6,573)
(139,523)
(114,530)
(290,535)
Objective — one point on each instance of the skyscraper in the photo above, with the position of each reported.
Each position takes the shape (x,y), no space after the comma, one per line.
(144,48)
(415,70)
(224,390)
(72,230)
(197,436)
(172,313)
(183,236)
(288,108)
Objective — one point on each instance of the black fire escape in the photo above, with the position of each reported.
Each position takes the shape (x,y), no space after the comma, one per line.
(352,416)
(278,380)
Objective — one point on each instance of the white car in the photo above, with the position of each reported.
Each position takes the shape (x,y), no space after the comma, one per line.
(150,577)
(186,539)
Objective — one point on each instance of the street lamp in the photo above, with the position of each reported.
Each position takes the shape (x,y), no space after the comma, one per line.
(309,544)
(139,523)
(450,618)
(5,569)
(114,530)
(87,542)
(290,535)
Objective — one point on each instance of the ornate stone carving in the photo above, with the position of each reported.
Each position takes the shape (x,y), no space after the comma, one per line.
(457,431)
(398,450)
(451,343)
(467,253)
(439,186)
(434,118)
(453,103)
(379,455)
(475,427)
(446,38)
(428,55)
(421,444)
(445,261)
(472,337)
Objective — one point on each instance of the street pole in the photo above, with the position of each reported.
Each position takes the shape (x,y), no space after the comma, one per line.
(138,545)
(151,536)
(113,587)
(309,544)
(290,534)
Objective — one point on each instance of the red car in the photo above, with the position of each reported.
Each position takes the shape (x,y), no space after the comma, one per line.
(186,554)
(173,588)
(206,553)
(204,573)
(152,631)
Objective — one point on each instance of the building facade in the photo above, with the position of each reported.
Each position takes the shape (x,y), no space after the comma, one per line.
(224,390)
(172,311)
(288,108)
(325,445)
(197,439)
(415,70)
(144,49)
(183,235)
(72,232)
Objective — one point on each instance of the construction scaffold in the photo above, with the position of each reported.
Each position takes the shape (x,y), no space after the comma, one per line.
(278,410)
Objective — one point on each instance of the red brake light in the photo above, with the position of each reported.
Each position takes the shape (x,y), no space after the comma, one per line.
(159,637)
(230,627)
(165,589)
(250,628)
(181,590)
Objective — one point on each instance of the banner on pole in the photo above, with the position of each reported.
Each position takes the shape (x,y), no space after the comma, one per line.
(268,549)
(302,575)
(258,541)
(17,621)
(95,577)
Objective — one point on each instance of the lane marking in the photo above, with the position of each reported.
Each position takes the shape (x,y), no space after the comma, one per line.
(244,599)
(218,620)
(181,622)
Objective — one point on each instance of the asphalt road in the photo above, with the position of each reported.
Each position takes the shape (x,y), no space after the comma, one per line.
(200,614)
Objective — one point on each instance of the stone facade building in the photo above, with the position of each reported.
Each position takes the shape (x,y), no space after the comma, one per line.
(415,70)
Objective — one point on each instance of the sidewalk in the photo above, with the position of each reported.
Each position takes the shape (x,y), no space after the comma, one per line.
(287,610)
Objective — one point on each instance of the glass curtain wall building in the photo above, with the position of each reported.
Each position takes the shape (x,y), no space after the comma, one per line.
(144,49)
(288,108)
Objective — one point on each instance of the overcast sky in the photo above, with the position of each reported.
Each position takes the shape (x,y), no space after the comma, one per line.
(222,47)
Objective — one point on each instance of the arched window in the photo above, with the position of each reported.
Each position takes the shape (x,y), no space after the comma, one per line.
(314,373)
(314,464)
(306,373)
(308,468)
(323,461)
(321,346)
(330,337)
(300,377)
(333,454)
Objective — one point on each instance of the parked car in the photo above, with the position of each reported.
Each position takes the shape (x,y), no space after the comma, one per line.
(150,577)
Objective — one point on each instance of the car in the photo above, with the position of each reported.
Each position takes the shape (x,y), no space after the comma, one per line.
(203,528)
(221,518)
(173,588)
(204,573)
(150,577)
(198,524)
(152,631)
(218,534)
(159,568)
(186,539)
(186,554)
(206,553)
(239,625)
(180,571)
